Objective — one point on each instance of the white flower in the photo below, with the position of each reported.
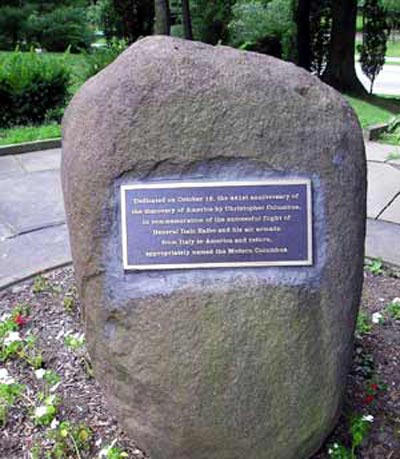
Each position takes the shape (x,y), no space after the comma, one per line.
(54,424)
(5,378)
(40,373)
(368,418)
(40,411)
(376,317)
(12,337)
(396,300)
(5,317)
(104,452)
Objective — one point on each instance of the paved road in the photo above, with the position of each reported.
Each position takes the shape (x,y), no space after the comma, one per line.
(34,237)
(388,80)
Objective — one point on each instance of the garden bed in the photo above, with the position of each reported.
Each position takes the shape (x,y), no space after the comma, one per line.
(58,408)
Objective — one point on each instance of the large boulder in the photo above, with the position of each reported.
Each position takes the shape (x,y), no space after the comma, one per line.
(216,363)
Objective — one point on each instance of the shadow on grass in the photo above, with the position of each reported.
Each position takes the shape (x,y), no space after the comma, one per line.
(373,110)
(389,103)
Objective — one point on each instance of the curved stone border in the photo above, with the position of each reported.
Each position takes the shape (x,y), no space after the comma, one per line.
(33,253)
(29,147)
(11,282)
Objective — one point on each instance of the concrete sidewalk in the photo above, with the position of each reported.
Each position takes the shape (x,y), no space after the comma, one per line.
(33,233)
(34,237)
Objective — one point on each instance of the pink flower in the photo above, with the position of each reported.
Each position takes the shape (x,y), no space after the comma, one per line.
(369,399)
(20,320)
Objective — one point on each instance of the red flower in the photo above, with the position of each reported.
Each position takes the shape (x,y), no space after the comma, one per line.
(20,320)
(374,387)
(369,399)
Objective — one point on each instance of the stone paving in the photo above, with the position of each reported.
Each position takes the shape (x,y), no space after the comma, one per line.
(33,233)
(34,237)
(383,182)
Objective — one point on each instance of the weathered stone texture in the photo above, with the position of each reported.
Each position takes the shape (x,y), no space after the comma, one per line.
(224,363)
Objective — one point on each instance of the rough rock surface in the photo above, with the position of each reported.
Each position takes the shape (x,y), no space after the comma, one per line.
(216,363)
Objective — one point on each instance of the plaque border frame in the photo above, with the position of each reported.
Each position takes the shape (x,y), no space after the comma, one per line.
(209,184)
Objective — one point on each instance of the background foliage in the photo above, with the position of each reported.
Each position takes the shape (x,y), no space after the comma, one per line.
(320,34)
(54,26)
(31,88)
(375,36)
(264,26)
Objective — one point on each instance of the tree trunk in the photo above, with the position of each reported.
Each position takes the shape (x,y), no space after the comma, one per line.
(187,20)
(340,71)
(162,24)
(303,38)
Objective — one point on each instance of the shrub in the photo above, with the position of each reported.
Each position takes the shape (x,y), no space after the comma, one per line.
(127,19)
(265,45)
(392,136)
(210,20)
(61,29)
(137,17)
(55,29)
(392,8)
(260,22)
(99,58)
(30,86)
(108,19)
(394,125)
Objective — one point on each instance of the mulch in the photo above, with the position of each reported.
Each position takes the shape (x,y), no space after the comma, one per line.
(376,361)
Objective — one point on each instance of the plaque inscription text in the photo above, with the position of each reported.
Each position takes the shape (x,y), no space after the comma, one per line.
(216,224)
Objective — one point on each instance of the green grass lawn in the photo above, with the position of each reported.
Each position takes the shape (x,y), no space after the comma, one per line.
(374,109)
(29,133)
(393,48)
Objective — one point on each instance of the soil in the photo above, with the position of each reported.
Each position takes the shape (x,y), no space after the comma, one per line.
(373,385)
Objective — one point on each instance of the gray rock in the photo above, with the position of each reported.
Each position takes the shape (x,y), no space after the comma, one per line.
(225,363)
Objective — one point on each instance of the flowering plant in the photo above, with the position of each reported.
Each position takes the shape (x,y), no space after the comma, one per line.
(20,320)
(394,308)
(9,392)
(112,452)
(359,427)
(46,412)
